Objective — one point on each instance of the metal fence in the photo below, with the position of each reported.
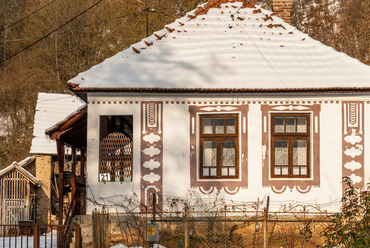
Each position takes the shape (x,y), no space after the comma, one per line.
(36,236)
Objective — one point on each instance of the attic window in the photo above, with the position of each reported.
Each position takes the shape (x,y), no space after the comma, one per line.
(115,154)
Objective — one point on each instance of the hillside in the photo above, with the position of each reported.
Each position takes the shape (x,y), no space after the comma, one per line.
(43,44)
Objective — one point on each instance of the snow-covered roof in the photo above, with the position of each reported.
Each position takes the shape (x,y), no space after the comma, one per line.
(51,109)
(19,167)
(226,46)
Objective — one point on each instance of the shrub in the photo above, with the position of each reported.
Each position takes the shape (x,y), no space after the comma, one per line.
(351,227)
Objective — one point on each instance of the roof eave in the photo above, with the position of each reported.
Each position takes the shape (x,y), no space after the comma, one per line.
(24,172)
(82,91)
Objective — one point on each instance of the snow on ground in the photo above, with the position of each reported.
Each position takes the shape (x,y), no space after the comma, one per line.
(20,242)
(123,246)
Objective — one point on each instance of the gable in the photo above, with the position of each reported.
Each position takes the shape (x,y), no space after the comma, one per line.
(17,168)
(226,46)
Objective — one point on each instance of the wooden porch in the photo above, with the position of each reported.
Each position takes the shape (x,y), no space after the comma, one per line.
(71,133)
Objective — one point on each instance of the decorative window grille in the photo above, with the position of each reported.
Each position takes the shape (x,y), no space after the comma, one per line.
(116,157)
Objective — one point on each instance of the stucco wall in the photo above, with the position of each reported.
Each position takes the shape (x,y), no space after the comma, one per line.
(177,126)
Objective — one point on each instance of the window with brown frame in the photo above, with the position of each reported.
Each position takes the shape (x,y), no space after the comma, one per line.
(219,146)
(290,145)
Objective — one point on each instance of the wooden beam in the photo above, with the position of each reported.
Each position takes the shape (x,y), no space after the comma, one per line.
(83,160)
(73,172)
(60,150)
(73,183)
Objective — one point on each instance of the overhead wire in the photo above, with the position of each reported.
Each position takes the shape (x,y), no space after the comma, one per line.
(34,12)
(79,27)
(47,35)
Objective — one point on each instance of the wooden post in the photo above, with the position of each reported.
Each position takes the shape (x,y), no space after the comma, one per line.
(265,241)
(99,231)
(82,166)
(153,217)
(36,236)
(78,239)
(93,228)
(82,190)
(60,149)
(186,233)
(108,230)
(147,20)
(73,184)
(73,172)
(254,236)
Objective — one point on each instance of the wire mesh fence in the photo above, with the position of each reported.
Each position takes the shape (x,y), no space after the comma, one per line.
(223,228)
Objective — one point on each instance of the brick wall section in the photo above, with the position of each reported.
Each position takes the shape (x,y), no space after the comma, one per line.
(282,9)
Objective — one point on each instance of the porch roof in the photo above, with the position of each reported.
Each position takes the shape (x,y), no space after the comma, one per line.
(72,129)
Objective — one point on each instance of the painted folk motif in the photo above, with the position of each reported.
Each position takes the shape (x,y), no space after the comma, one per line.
(353,142)
(151,153)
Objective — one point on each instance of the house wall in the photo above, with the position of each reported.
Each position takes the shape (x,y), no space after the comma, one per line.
(43,173)
(334,119)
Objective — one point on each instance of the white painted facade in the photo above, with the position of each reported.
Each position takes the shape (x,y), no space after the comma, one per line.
(258,64)
(176,145)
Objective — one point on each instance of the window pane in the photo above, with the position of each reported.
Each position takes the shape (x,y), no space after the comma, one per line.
(304,170)
(290,124)
(224,171)
(279,124)
(281,152)
(219,126)
(230,125)
(301,124)
(206,172)
(213,172)
(295,170)
(299,152)
(209,153)
(284,170)
(228,153)
(231,171)
(207,125)
(277,170)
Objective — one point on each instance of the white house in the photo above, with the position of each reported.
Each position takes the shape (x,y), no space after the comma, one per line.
(229,100)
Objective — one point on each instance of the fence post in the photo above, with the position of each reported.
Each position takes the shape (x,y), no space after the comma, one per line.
(108,228)
(186,233)
(78,239)
(36,236)
(257,208)
(99,230)
(265,243)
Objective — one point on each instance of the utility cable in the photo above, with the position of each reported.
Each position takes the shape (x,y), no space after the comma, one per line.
(47,35)
(11,25)
(80,27)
